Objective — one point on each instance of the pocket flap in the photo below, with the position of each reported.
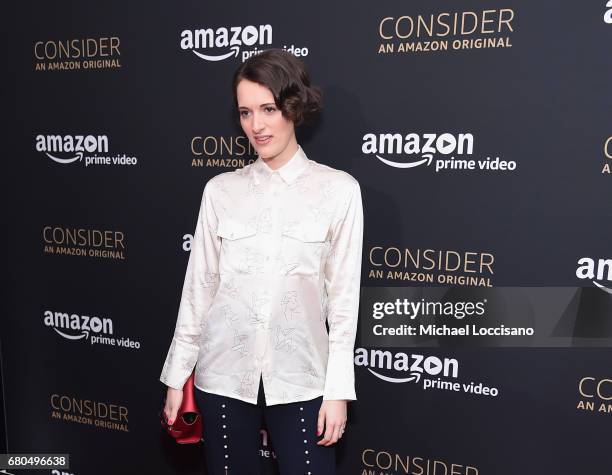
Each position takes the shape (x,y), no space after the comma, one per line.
(231,229)
(308,232)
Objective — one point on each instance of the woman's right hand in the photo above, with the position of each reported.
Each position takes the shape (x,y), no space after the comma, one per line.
(174,398)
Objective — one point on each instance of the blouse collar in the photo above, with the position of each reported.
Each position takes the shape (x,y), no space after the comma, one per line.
(288,172)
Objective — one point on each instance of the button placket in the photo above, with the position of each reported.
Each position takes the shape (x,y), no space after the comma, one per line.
(276,183)
(273,242)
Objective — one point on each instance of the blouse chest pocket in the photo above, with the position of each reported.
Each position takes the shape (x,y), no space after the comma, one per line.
(239,252)
(307,232)
(303,248)
(234,230)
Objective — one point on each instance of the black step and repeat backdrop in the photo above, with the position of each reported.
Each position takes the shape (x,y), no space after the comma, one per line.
(481,135)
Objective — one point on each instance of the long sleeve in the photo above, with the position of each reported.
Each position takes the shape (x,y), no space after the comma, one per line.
(343,283)
(200,285)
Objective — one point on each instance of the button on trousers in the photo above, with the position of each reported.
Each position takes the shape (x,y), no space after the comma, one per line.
(233,441)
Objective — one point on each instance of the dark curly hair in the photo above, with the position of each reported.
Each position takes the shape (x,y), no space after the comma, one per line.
(286,77)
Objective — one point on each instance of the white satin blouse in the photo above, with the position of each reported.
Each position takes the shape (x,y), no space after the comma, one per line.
(275,254)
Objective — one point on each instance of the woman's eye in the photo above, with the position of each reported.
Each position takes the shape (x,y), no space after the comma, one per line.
(243,113)
(270,109)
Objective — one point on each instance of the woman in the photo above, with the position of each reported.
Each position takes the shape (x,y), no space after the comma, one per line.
(276,255)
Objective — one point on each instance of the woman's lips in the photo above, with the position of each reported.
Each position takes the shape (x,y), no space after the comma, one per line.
(263,140)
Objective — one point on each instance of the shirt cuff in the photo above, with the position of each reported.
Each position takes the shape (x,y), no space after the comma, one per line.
(180,362)
(340,377)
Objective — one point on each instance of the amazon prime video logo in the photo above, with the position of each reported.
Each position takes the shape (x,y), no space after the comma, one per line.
(96,330)
(428,372)
(444,152)
(217,44)
(87,150)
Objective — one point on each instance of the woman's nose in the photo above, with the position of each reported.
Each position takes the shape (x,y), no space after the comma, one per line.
(257,123)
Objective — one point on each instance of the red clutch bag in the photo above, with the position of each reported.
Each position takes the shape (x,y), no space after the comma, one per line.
(187,428)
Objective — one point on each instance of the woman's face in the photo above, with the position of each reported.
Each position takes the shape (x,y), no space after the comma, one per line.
(263,123)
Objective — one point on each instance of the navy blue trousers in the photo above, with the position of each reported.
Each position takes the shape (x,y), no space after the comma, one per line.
(233,441)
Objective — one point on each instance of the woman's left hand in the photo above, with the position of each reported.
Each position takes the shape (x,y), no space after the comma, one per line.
(332,416)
